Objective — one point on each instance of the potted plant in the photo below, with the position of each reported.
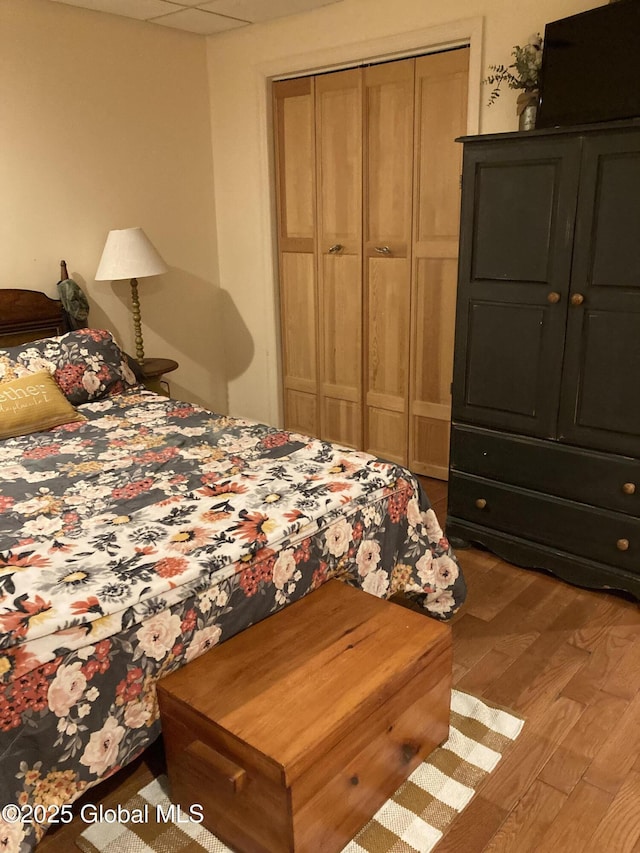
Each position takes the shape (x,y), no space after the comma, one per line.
(523,73)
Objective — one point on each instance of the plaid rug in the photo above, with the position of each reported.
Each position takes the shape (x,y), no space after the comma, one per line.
(412,821)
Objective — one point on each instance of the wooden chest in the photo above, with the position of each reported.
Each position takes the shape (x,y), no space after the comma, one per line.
(294,732)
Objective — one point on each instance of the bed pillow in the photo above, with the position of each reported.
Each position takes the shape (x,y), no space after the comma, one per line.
(33,403)
(87,364)
(10,368)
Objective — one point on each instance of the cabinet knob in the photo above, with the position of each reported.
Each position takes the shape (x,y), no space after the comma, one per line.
(481,503)
(553,297)
(383,250)
(577,299)
(629,488)
(337,247)
(622,544)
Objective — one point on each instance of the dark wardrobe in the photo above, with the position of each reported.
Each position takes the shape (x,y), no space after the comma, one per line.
(544,467)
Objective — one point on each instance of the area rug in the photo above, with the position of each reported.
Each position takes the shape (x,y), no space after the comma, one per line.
(412,821)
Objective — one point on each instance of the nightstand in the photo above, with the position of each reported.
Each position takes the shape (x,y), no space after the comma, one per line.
(153,369)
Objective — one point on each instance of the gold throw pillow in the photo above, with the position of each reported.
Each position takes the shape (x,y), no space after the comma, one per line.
(33,403)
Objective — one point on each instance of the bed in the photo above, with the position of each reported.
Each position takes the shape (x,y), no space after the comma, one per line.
(142,531)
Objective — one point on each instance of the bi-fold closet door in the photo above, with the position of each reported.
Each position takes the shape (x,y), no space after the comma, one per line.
(368,200)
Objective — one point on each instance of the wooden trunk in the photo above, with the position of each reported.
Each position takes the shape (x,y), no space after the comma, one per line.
(293,733)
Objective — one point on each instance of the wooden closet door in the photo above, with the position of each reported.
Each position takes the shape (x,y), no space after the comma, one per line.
(339,212)
(388,153)
(441,116)
(295,193)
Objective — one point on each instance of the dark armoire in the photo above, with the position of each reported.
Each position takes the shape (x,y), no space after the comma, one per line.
(544,466)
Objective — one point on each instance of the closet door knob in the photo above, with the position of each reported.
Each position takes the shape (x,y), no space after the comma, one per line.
(553,297)
(481,503)
(383,250)
(629,488)
(622,544)
(337,247)
(577,299)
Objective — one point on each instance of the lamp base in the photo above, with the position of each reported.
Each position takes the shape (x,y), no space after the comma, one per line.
(137,322)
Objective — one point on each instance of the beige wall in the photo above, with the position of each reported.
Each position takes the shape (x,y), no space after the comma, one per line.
(240,63)
(105,124)
(109,123)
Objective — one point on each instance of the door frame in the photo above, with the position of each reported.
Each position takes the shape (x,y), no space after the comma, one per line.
(462,33)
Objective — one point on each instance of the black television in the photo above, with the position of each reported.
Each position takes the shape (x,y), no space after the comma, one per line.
(591,67)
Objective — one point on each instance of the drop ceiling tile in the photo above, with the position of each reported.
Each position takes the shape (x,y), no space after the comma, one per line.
(197,21)
(262,10)
(140,9)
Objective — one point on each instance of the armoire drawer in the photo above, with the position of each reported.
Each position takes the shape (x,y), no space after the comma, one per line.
(599,535)
(599,479)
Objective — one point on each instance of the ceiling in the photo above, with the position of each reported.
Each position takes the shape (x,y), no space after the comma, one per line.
(200,16)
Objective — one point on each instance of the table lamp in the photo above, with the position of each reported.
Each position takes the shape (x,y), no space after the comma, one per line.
(128,253)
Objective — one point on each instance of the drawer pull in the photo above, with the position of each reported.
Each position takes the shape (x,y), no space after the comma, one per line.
(222,768)
(481,503)
(622,544)
(629,488)
(553,298)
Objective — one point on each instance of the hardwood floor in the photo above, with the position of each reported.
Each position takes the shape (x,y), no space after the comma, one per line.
(565,659)
(568,661)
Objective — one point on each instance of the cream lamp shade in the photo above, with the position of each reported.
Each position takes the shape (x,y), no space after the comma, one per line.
(128,253)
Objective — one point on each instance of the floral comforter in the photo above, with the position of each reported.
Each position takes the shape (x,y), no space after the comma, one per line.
(133,542)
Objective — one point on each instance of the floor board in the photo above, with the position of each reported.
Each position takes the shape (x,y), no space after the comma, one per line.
(566,659)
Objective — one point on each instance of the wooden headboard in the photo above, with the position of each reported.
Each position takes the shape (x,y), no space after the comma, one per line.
(27,315)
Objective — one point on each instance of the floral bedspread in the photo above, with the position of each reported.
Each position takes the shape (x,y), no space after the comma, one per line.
(133,542)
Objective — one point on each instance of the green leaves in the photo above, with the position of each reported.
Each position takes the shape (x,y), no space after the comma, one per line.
(523,72)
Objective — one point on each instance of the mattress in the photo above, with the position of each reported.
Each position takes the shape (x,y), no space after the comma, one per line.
(133,542)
